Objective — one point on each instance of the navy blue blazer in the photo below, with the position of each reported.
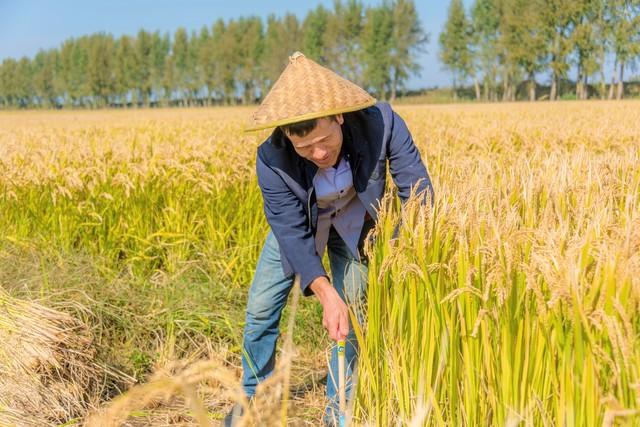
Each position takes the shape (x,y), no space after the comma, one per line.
(371,138)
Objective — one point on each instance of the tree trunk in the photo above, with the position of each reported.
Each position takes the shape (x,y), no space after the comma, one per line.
(493,84)
(510,93)
(585,88)
(394,87)
(532,87)
(554,87)
(579,83)
(455,92)
(532,91)
(505,88)
(555,90)
(603,83)
(493,88)
(477,87)
(620,93)
(613,79)
(166,97)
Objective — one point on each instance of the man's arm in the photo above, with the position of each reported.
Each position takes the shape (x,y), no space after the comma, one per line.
(286,216)
(406,167)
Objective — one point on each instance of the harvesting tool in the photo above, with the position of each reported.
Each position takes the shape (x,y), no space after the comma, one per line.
(341,383)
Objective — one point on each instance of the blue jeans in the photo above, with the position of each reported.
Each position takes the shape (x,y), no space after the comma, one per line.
(267,298)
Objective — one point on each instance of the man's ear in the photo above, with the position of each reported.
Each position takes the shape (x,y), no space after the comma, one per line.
(339,119)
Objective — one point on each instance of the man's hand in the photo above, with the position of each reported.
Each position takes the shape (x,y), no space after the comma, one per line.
(335,317)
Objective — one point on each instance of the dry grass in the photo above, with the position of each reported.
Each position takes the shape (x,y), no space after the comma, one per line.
(48,369)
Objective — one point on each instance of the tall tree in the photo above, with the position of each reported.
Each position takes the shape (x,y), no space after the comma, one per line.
(625,17)
(485,33)
(455,41)
(344,39)
(208,60)
(523,40)
(585,44)
(180,57)
(558,18)
(508,66)
(314,30)
(250,42)
(195,74)
(160,45)
(602,38)
(204,56)
(24,82)
(74,58)
(283,37)
(124,64)
(143,67)
(376,45)
(407,39)
(45,71)
(99,69)
(169,80)
(8,83)
(227,58)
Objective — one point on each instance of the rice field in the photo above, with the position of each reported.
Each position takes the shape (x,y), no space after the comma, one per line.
(513,301)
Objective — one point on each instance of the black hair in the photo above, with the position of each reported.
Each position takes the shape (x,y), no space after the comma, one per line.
(302,128)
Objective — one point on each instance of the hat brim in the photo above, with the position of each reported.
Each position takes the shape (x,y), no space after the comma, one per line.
(309,116)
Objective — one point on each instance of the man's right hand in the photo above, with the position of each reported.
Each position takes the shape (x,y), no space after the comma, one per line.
(335,317)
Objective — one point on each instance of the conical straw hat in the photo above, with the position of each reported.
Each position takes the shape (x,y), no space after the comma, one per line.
(306,90)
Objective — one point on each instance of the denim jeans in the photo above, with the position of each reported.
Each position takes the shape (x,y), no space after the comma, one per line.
(267,298)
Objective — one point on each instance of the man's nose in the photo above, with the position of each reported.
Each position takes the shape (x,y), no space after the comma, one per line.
(319,153)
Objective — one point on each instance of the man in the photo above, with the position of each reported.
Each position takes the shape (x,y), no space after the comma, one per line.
(322,174)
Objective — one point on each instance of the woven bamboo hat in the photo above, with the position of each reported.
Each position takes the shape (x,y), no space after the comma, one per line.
(306,90)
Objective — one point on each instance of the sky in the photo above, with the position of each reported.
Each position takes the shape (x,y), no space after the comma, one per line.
(29,25)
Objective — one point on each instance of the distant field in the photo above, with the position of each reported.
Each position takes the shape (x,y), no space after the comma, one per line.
(513,301)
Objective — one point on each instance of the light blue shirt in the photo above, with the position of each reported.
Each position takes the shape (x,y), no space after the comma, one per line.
(338,206)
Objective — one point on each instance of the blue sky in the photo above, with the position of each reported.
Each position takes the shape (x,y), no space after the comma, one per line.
(28,25)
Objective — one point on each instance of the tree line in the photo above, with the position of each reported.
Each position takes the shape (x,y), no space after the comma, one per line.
(230,62)
(503,44)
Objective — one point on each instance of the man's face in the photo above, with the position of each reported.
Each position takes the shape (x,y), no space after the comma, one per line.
(323,144)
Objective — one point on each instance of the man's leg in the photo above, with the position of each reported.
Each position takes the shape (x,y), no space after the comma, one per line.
(267,298)
(350,281)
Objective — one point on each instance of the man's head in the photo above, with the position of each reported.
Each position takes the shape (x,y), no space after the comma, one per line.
(317,140)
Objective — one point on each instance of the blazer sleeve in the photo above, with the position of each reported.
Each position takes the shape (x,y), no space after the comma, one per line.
(406,166)
(286,215)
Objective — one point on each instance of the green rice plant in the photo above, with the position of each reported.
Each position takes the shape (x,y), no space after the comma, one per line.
(514,306)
